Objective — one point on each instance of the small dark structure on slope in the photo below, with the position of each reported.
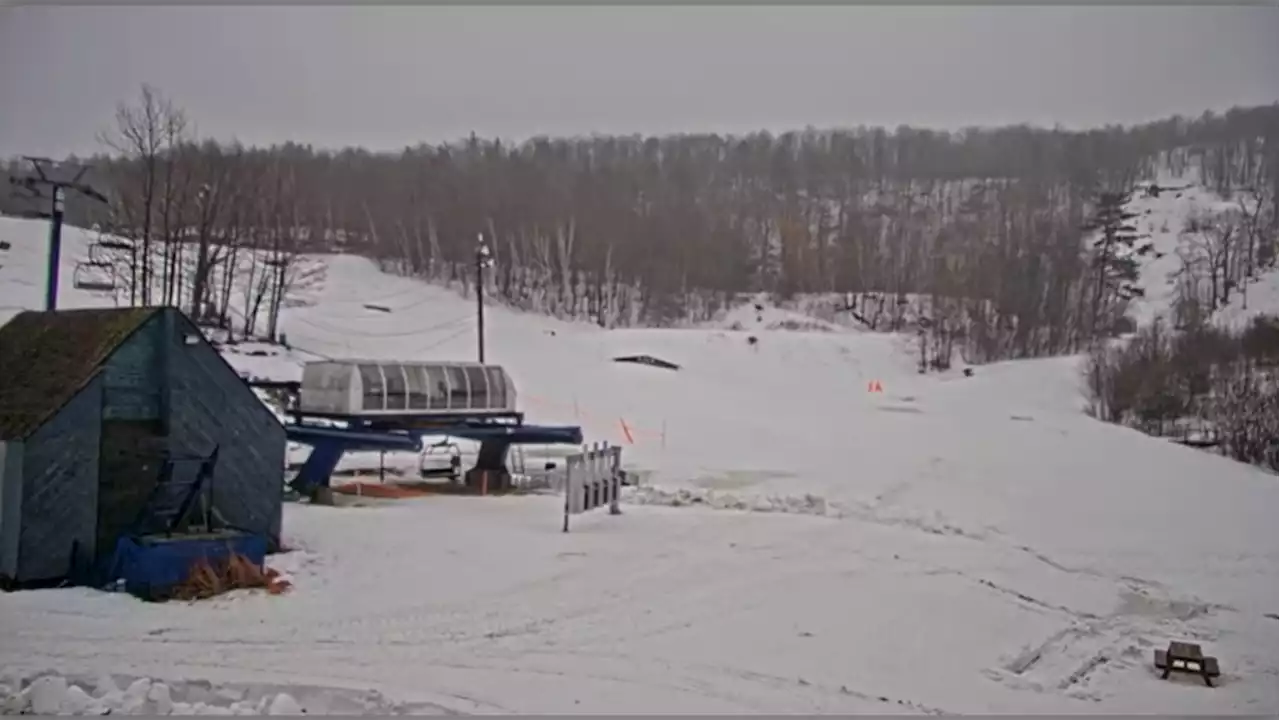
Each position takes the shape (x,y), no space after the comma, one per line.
(647,360)
(95,407)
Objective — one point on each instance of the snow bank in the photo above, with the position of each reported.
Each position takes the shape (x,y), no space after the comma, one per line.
(806,504)
(53,694)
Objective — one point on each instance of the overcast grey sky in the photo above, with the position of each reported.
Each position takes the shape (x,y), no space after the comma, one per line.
(387,76)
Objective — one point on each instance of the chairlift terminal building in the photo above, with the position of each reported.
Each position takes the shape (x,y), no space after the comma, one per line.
(391,405)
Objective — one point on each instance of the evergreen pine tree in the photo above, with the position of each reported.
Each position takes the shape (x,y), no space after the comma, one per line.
(1116,254)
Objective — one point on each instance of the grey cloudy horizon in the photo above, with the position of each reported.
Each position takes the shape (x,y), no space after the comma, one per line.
(384,77)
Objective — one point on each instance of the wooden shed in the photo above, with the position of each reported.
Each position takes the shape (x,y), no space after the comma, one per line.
(92,403)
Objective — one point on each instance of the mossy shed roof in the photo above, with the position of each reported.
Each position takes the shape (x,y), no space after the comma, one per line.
(47,357)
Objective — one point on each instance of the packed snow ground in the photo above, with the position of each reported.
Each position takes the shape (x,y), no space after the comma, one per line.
(949,544)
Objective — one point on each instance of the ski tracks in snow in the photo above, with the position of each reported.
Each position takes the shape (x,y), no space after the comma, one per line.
(604,621)
(1077,660)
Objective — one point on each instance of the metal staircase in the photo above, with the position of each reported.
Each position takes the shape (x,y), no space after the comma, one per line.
(172,499)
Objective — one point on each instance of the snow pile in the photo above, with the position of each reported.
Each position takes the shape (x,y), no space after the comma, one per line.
(53,694)
(805,504)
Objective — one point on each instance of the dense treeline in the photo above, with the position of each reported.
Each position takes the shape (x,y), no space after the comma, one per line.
(988,232)
(1208,386)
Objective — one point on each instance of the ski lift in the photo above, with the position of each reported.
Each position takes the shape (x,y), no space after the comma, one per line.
(444,449)
(115,244)
(94,277)
(97,256)
(102,251)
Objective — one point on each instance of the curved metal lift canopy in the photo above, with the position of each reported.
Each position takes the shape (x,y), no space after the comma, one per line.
(493,423)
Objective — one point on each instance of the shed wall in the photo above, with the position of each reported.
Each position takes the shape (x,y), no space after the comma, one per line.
(132,390)
(10,506)
(210,404)
(133,432)
(60,488)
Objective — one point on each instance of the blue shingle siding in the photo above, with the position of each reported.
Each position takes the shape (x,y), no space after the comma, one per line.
(60,488)
(210,404)
(132,376)
(10,506)
(132,431)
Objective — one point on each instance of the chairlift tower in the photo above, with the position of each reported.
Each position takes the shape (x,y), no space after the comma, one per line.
(53,179)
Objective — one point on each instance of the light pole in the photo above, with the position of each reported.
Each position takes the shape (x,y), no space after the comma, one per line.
(59,178)
(483,260)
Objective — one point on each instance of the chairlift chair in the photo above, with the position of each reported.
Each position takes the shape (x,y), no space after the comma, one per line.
(98,256)
(453,470)
(84,277)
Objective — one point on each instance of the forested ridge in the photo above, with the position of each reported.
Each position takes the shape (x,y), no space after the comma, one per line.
(991,232)
(986,244)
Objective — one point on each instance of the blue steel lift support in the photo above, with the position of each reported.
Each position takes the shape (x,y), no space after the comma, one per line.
(329,444)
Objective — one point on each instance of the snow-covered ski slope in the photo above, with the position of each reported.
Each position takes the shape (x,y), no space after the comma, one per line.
(949,544)
(1162,219)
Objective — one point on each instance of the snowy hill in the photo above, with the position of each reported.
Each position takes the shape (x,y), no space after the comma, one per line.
(1160,218)
(950,544)
(1163,218)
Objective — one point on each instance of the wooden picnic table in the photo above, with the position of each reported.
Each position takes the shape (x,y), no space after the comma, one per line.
(1187,658)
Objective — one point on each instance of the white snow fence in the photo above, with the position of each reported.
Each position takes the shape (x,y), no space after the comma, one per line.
(593,479)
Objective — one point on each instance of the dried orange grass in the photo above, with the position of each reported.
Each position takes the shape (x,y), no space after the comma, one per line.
(207,580)
(380,491)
